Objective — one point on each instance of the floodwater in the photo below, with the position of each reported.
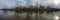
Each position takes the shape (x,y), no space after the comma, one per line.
(12,15)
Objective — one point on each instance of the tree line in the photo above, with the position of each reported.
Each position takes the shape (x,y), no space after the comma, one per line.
(33,9)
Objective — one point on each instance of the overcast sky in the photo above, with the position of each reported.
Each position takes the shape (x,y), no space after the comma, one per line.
(12,3)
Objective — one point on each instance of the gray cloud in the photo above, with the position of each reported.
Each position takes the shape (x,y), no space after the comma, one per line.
(31,2)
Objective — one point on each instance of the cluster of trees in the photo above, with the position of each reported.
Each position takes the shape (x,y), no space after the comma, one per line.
(35,9)
(41,9)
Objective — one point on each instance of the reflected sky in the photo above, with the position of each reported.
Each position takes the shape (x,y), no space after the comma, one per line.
(33,15)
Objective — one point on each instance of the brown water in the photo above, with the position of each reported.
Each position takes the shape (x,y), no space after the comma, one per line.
(12,15)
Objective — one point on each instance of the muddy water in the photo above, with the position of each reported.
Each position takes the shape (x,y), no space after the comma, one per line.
(12,15)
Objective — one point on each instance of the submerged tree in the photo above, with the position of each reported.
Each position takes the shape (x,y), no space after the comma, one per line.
(49,10)
(41,9)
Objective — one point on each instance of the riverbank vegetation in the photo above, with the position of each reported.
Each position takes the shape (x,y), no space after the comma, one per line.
(41,9)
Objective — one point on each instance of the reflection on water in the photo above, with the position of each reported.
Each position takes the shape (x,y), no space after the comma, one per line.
(12,15)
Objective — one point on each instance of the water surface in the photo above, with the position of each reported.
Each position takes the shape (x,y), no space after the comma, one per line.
(33,16)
